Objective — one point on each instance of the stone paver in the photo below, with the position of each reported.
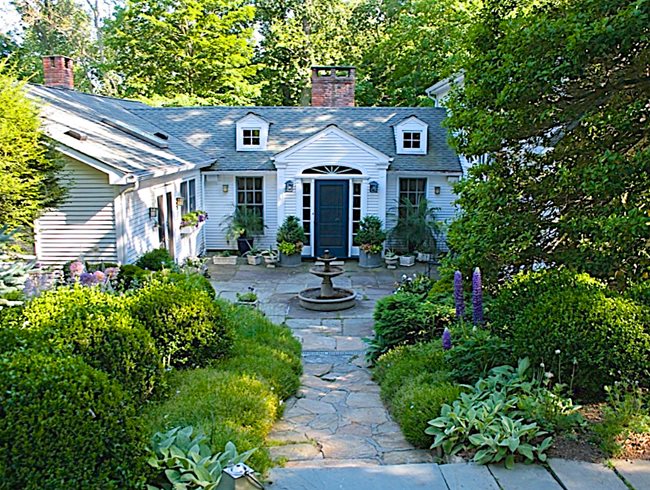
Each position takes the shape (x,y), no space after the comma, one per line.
(637,472)
(468,476)
(530,477)
(581,475)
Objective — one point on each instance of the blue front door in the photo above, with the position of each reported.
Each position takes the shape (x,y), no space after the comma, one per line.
(331,220)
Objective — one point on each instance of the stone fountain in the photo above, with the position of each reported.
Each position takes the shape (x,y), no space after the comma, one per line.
(327,297)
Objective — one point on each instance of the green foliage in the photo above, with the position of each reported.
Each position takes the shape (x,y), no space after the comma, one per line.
(600,336)
(201,49)
(568,77)
(188,327)
(370,232)
(65,425)
(291,232)
(30,170)
(244,223)
(98,327)
(490,419)
(418,284)
(156,260)
(14,271)
(186,281)
(418,400)
(404,318)
(640,293)
(224,405)
(475,351)
(131,276)
(185,460)
(416,228)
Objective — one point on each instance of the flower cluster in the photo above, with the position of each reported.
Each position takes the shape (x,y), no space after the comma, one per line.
(104,278)
(459,298)
(477,296)
(446,339)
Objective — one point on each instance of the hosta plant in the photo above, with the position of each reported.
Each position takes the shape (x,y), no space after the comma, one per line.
(186,462)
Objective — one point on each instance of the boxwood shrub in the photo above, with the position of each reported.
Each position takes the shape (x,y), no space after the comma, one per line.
(601,336)
(189,328)
(97,326)
(64,424)
(156,260)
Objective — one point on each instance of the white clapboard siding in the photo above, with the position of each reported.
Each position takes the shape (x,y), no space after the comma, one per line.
(220,205)
(84,225)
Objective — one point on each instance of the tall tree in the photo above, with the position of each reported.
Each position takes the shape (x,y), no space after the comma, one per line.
(29,169)
(557,95)
(201,49)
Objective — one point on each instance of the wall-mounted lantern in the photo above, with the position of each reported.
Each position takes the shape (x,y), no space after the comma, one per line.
(153,213)
(225,188)
(180,200)
(373,187)
(288,186)
(436,190)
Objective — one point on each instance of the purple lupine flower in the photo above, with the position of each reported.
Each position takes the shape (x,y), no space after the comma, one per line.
(458,295)
(87,279)
(477,296)
(446,339)
(76,269)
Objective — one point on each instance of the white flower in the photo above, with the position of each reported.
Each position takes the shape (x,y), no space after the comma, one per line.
(557,351)
(548,375)
(542,365)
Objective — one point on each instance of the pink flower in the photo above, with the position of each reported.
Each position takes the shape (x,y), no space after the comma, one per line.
(76,268)
(112,272)
(99,276)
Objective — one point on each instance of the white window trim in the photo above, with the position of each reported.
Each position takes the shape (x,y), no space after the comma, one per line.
(264,206)
(411,125)
(251,121)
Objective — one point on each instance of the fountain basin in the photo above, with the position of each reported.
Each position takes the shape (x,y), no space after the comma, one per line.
(342,299)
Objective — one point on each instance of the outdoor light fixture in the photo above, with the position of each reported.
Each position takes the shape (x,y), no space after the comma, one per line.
(153,213)
(288,186)
(436,189)
(374,187)
(179,201)
(225,188)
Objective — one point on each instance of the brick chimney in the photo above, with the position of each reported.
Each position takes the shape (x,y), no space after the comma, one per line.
(58,71)
(332,86)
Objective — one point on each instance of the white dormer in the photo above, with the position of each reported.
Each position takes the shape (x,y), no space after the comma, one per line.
(252,133)
(411,137)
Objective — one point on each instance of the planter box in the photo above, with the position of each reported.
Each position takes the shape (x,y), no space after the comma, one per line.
(254,259)
(224,260)
(391,263)
(424,257)
(407,260)
(293,260)
(189,230)
(369,261)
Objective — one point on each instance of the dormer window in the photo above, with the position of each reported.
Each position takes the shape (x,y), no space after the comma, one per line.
(411,136)
(252,133)
(251,137)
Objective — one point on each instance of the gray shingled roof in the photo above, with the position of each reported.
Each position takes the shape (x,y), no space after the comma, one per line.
(64,109)
(212,130)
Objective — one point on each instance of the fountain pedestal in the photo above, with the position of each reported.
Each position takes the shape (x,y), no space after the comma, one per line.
(327,297)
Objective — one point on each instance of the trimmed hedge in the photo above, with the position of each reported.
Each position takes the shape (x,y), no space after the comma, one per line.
(604,333)
(64,424)
(403,319)
(156,260)
(187,326)
(97,326)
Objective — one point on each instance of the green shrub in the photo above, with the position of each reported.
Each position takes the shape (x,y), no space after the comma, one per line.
(640,293)
(474,352)
(97,326)
(600,337)
(224,405)
(65,425)
(187,326)
(419,400)
(190,282)
(156,260)
(402,319)
(394,368)
(131,276)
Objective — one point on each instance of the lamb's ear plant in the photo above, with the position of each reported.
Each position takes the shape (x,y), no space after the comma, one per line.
(186,461)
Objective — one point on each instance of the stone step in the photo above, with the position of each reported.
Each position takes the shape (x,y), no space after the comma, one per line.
(468,476)
(581,475)
(522,476)
(637,472)
(402,477)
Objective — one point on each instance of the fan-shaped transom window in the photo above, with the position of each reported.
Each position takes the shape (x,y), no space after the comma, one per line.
(332,170)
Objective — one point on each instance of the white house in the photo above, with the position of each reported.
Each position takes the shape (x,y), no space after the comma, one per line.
(134,170)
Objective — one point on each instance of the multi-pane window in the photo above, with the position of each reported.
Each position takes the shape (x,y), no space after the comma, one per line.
(251,137)
(412,140)
(412,190)
(188,193)
(250,194)
(356,209)
(306,211)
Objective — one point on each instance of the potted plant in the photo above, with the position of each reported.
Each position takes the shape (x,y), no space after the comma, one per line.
(224,258)
(291,237)
(243,226)
(416,228)
(270,257)
(370,239)
(391,259)
(254,256)
(248,298)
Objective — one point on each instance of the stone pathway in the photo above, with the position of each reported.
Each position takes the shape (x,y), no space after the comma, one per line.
(336,432)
